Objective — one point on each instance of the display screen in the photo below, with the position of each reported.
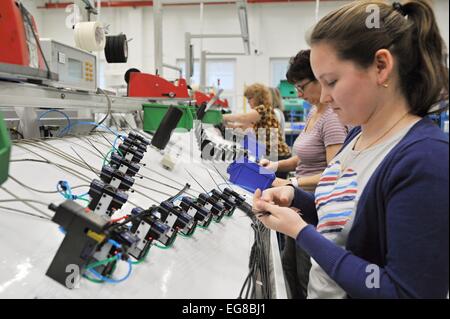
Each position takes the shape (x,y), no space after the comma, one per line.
(75,69)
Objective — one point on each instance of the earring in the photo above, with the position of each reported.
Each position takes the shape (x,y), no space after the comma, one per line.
(386,85)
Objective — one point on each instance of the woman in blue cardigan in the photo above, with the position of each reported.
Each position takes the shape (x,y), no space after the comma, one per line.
(377,225)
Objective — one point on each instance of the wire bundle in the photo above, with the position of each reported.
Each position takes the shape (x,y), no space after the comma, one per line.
(257,284)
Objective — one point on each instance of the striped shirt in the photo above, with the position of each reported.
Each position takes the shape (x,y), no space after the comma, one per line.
(337,195)
(311,146)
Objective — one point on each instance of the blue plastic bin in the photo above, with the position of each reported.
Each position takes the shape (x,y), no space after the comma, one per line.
(250,175)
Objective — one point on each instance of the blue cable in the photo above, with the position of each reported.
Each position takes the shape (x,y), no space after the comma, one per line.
(178,198)
(114,243)
(66,191)
(57,111)
(116,257)
(114,281)
(115,141)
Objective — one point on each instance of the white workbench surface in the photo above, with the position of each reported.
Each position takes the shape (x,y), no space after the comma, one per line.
(211,264)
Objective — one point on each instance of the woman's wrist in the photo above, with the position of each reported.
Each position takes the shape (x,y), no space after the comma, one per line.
(294,181)
(297,228)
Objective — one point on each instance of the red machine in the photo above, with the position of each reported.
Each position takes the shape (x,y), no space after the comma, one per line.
(149,85)
(201,98)
(18,36)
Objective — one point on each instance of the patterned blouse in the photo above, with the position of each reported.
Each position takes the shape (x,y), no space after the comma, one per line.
(269,122)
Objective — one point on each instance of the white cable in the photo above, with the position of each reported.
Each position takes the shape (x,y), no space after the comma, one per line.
(90,36)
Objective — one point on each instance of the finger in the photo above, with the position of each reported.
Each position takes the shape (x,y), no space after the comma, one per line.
(257,200)
(267,195)
(260,205)
(284,199)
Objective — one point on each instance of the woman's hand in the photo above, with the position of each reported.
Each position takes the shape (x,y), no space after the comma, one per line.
(281,196)
(271,166)
(278,182)
(282,219)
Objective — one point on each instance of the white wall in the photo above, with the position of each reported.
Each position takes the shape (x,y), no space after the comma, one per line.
(441,11)
(276,31)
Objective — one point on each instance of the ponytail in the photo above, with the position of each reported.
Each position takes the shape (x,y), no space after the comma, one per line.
(408,31)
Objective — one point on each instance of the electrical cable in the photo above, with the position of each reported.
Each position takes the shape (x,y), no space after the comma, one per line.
(259,274)
(56,111)
(95,281)
(108,113)
(154,180)
(196,181)
(38,190)
(145,195)
(129,126)
(62,167)
(59,153)
(17,132)
(65,190)
(67,129)
(90,167)
(209,173)
(170,179)
(143,258)
(102,135)
(181,192)
(99,143)
(222,176)
(26,202)
(82,146)
(23,212)
(114,281)
(93,146)
(67,169)
(103,262)
(66,156)
(127,220)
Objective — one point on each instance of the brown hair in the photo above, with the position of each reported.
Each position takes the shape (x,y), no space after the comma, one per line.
(300,68)
(408,31)
(260,93)
(277,103)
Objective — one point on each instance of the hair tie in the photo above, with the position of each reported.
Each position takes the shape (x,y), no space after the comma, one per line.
(399,8)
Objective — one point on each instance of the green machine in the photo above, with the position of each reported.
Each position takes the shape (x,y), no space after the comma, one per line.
(5,150)
(290,97)
(287,90)
(154,113)
(295,108)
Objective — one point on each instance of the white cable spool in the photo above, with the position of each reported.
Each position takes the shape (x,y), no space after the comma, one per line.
(90,36)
